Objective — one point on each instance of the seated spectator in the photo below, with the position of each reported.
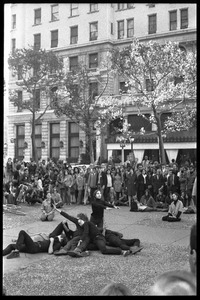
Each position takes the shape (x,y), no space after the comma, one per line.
(115,289)
(174,283)
(161,201)
(175,209)
(147,203)
(48,210)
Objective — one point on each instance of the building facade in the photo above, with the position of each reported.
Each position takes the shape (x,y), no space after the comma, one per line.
(85,32)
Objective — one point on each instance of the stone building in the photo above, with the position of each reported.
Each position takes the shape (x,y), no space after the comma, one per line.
(88,31)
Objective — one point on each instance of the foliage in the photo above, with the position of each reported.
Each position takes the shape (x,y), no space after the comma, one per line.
(159,65)
(85,106)
(37,70)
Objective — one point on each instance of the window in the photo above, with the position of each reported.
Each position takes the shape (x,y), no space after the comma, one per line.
(93,60)
(37,99)
(130,28)
(20,138)
(120,6)
(13,45)
(13,21)
(19,96)
(152,24)
(93,7)
(54,12)
(37,41)
(54,38)
(93,90)
(73,140)
(73,63)
(74,35)
(120,29)
(111,28)
(55,140)
(73,9)
(38,139)
(123,89)
(138,121)
(173,20)
(37,19)
(149,85)
(93,31)
(184,18)
(130,5)
(19,72)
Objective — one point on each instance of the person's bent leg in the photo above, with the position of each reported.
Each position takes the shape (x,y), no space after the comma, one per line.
(9,248)
(25,243)
(101,244)
(50,217)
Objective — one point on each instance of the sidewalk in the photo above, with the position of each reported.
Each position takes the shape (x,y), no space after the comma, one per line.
(147,226)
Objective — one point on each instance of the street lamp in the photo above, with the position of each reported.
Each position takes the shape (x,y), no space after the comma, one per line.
(122,142)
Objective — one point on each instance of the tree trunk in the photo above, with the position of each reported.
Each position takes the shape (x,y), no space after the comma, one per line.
(160,141)
(34,150)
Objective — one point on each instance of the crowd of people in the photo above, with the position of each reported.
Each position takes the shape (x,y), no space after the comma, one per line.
(144,186)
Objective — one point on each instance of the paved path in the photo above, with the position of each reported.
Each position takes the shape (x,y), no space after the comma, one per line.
(147,226)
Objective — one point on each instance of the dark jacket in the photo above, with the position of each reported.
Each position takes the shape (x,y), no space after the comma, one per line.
(79,229)
(98,207)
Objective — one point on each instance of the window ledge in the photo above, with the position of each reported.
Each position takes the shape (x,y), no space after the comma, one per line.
(73,16)
(125,9)
(92,12)
(36,24)
(52,21)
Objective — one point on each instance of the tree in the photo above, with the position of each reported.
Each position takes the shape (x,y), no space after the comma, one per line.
(79,99)
(37,70)
(170,76)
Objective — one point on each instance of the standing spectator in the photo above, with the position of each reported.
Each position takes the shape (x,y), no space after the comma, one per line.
(158,181)
(80,182)
(117,183)
(9,170)
(173,183)
(32,167)
(86,192)
(141,184)
(76,173)
(194,191)
(190,183)
(68,181)
(182,179)
(48,210)
(55,196)
(108,184)
(145,162)
(92,182)
(60,185)
(149,181)
(131,184)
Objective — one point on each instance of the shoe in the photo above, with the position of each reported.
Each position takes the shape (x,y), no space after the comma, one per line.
(136,249)
(60,252)
(125,252)
(137,243)
(13,254)
(78,254)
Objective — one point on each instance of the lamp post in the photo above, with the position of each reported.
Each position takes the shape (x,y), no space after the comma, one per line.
(122,141)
